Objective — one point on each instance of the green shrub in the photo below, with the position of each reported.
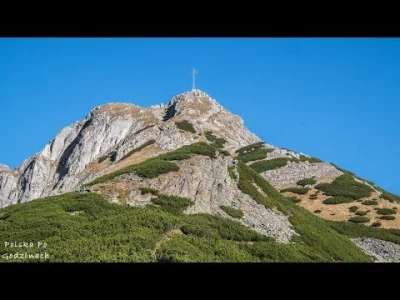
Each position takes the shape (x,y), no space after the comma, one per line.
(370,202)
(307,181)
(254,155)
(345,186)
(250,147)
(234,213)
(4,216)
(186,126)
(317,211)
(313,197)
(216,142)
(185,152)
(219,143)
(361,213)
(148,190)
(358,230)
(359,219)
(270,164)
(309,159)
(294,199)
(189,248)
(140,148)
(296,190)
(224,152)
(149,169)
(247,187)
(386,211)
(387,217)
(337,200)
(248,178)
(173,204)
(353,208)
(376,224)
(231,171)
(210,136)
(214,227)
(391,197)
(385,194)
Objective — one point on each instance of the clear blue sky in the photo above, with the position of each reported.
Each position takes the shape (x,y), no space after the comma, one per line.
(335,99)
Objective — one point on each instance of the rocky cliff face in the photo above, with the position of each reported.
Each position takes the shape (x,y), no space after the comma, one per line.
(208,184)
(66,161)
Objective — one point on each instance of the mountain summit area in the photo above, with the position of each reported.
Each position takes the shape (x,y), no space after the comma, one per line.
(188,182)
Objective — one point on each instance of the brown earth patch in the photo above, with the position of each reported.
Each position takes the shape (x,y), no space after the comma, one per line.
(340,212)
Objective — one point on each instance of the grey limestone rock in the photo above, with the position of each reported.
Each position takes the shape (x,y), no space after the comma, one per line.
(295,171)
(4,168)
(62,165)
(207,183)
(383,251)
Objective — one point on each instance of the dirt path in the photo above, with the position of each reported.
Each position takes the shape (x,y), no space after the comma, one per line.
(165,238)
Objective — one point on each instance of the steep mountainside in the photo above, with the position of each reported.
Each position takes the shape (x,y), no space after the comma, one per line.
(193,166)
(68,160)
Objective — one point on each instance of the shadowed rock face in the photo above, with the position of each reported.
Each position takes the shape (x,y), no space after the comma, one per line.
(9,188)
(63,164)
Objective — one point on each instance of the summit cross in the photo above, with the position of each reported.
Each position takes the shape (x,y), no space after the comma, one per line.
(194,72)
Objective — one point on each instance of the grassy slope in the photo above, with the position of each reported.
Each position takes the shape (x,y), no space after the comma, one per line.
(102,231)
(105,232)
(317,241)
(109,232)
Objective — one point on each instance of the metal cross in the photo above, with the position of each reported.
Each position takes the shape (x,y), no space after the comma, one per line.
(194,72)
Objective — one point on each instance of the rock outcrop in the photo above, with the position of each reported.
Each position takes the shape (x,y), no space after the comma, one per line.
(383,251)
(207,182)
(295,171)
(63,164)
(9,188)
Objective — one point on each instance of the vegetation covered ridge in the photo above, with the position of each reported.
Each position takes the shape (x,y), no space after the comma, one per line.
(317,240)
(160,164)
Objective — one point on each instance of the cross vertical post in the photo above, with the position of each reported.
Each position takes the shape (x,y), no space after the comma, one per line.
(194,72)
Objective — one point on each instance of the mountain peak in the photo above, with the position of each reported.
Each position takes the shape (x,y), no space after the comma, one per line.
(192,95)
(4,167)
